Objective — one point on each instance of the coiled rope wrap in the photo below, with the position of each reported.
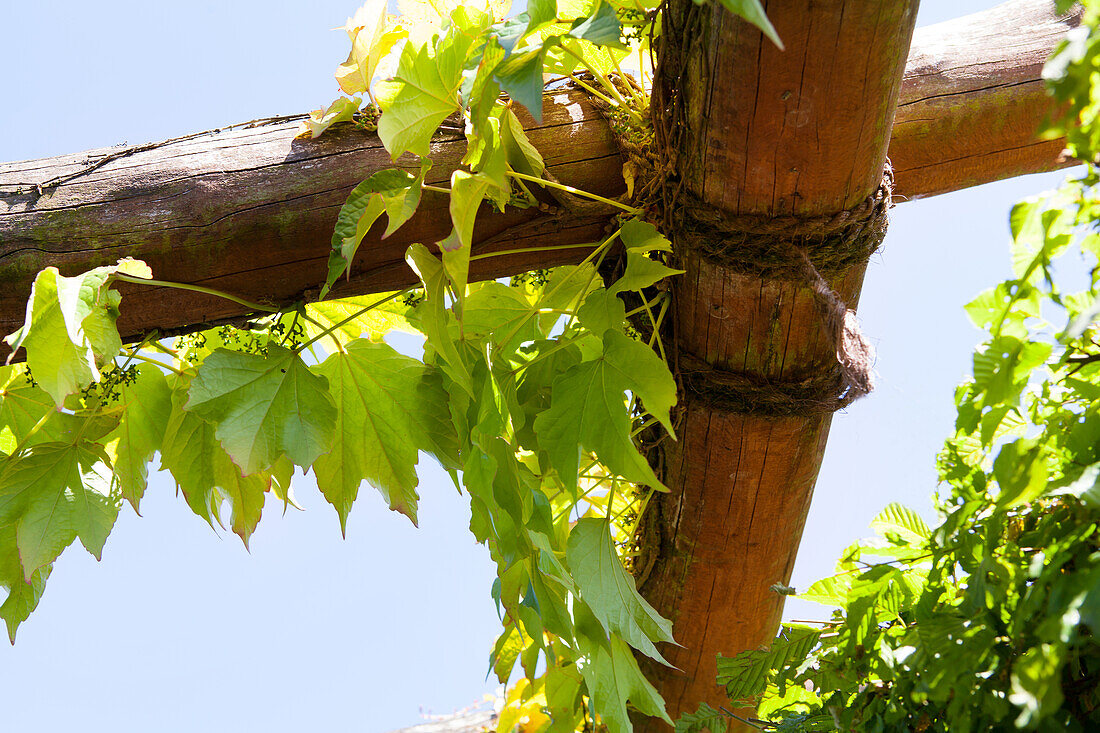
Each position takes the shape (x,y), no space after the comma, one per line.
(798,249)
(801,249)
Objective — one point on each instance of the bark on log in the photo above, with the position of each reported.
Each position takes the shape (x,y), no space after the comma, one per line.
(973,100)
(249,210)
(811,141)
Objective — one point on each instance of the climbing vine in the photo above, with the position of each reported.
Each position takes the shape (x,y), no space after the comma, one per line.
(530,394)
(988,621)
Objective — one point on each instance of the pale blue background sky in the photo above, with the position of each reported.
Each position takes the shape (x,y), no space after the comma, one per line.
(178,630)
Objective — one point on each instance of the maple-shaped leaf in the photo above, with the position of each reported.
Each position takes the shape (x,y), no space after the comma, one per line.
(588,410)
(642,272)
(264,407)
(497,312)
(23,595)
(372,36)
(433,317)
(350,320)
(148,403)
(341,110)
(207,475)
(393,192)
(54,493)
(609,591)
(423,92)
(467,191)
(602,310)
(382,398)
(613,679)
(521,77)
(69,330)
(22,406)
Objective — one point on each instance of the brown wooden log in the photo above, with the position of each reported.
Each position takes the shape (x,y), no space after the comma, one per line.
(249,210)
(771,133)
(973,100)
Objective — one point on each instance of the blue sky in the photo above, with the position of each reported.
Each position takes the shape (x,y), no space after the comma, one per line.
(178,629)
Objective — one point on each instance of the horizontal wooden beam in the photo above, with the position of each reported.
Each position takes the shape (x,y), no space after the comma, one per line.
(973,100)
(249,209)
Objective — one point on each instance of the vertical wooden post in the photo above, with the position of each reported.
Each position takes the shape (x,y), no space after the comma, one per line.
(801,132)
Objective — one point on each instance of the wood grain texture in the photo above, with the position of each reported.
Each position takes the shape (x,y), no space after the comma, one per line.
(973,100)
(250,209)
(799,132)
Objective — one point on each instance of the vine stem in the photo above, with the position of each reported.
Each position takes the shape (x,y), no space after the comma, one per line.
(594,92)
(611,88)
(437,189)
(601,248)
(328,331)
(318,324)
(30,433)
(548,248)
(573,190)
(561,344)
(150,360)
(197,289)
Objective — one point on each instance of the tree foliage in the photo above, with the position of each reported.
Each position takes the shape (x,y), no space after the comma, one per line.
(989,620)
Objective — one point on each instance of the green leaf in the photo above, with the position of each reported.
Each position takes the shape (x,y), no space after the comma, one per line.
(264,407)
(1021,473)
(541,12)
(372,37)
(341,110)
(423,92)
(1036,683)
(602,310)
(832,591)
(753,12)
(22,406)
(902,521)
(506,651)
(641,236)
(588,409)
(383,317)
(614,679)
(23,595)
(480,93)
(392,191)
(520,76)
(601,28)
(207,475)
(1086,487)
(642,272)
(704,720)
(493,311)
(381,397)
(522,155)
(54,493)
(609,590)
(746,675)
(434,318)
(69,330)
(148,407)
(467,191)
